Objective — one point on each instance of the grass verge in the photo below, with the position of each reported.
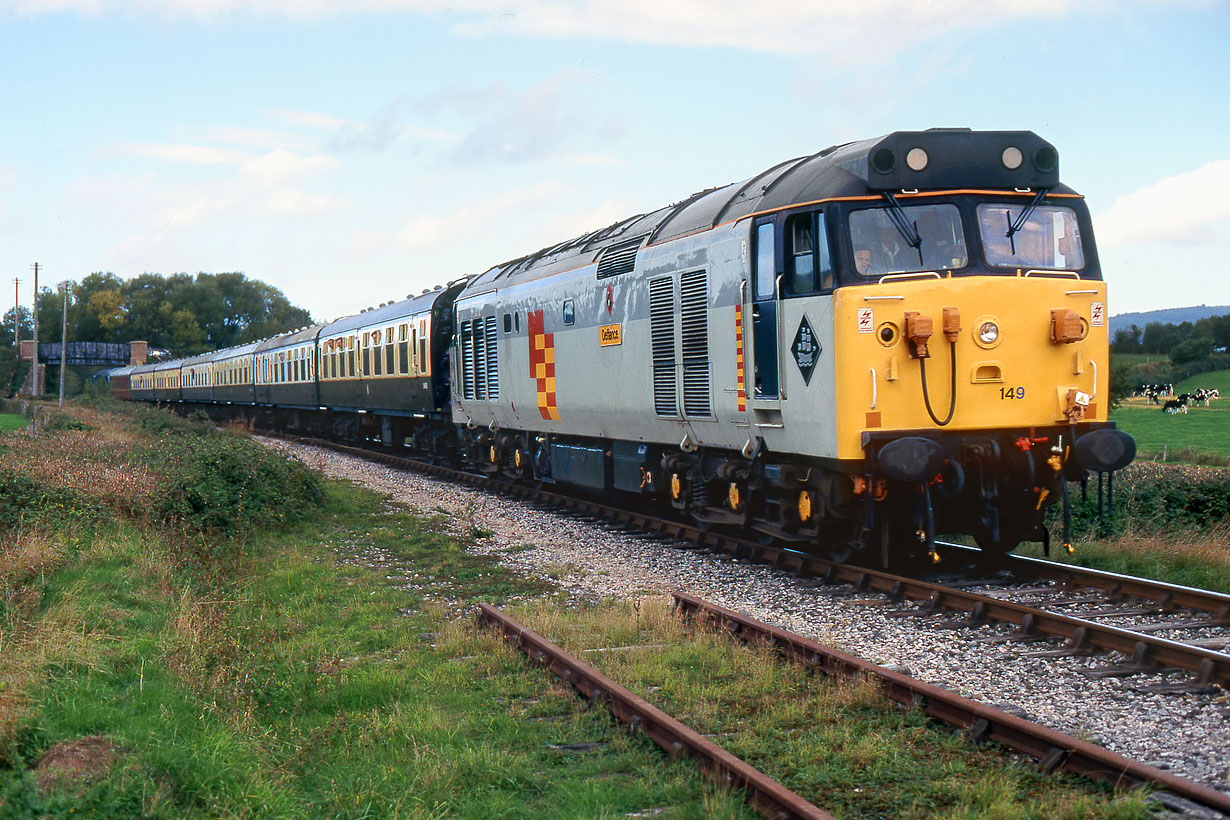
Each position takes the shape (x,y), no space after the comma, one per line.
(318,660)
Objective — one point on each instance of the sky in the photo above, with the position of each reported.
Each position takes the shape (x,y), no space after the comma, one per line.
(351,152)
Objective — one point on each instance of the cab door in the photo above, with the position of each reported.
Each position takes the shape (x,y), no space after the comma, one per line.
(765,284)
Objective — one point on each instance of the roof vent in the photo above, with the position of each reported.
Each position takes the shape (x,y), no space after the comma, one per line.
(619,258)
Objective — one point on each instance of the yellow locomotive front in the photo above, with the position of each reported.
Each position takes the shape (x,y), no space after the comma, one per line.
(970,345)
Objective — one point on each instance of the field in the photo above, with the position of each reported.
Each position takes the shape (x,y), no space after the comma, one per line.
(10,422)
(1205,430)
(1136,359)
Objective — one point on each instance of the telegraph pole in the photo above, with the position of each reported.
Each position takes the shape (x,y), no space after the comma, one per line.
(16,315)
(34,320)
(64,345)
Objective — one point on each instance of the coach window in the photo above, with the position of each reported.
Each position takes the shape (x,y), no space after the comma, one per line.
(403,348)
(367,354)
(570,312)
(389,351)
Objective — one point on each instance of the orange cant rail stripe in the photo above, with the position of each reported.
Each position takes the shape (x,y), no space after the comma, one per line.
(769,797)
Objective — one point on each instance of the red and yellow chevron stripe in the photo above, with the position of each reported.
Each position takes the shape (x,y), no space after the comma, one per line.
(742,392)
(542,365)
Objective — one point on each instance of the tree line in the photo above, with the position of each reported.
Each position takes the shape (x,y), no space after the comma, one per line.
(184,314)
(1183,343)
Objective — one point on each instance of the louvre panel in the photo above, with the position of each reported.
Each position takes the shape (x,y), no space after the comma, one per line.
(662,336)
(619,258)
(694,325)
(480,358)
(467,361)
(493,365)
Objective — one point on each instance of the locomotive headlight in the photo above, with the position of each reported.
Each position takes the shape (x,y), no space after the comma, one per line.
(988,333)
(916,159)
(1012,158)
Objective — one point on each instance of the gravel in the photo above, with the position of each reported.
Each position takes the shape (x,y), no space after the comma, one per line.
(1188,735)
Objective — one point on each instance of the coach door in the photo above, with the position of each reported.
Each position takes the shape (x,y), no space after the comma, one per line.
(764,314)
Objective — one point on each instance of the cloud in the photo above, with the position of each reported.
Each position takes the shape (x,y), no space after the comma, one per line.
(293,202)
(206,184)
(306,119)
(437,231)
(1186,209)
(253,137)
(184,153)
(384,128)
(535,124)
(851,27)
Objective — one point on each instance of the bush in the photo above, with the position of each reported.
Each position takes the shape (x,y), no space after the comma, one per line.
(54,422)
(24,500)
(223,484)
(157,422)
(1156,499)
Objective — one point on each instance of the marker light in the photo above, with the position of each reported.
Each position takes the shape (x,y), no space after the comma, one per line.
(1012,158)
(916,159)
(988,332)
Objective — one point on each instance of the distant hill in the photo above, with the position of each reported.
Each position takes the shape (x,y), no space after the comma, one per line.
(1172,316)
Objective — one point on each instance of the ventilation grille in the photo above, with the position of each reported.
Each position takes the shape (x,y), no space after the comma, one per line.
(467,361)
(493,365)
(480,358)
(694,324)
(619,258)
(662,336)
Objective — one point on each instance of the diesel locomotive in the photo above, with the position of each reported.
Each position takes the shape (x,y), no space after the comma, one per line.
(853,351)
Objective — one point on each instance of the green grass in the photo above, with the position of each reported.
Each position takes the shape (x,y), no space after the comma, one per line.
(1200,431)
(1136,359)
(306,685)
(9,422)
(334,672)
(327,666)
(1216,379)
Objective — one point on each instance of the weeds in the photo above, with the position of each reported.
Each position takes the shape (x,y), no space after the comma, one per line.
(225,485)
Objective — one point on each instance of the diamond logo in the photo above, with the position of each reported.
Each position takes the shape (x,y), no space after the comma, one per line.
(806,349)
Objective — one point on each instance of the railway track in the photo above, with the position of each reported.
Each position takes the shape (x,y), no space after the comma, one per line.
(1076,609)
(770,798)
(1053,750)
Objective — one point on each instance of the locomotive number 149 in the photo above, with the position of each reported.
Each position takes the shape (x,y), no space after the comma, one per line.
(1012,393)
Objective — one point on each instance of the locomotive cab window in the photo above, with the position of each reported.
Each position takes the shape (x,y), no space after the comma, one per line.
(570,312)
(912,238)
(1049,238)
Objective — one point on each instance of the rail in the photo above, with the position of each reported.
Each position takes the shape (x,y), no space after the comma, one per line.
(769,797)
(1053,749)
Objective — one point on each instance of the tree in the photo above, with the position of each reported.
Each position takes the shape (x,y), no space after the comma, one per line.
(1160,337)
(1127,340)
(24,326)
(1219,330)
(1191,350)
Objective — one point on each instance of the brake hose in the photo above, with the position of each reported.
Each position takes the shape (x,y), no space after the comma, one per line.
(952,405)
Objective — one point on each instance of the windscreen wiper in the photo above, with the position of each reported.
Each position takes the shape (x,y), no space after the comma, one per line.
(1013,227)
(907,229)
